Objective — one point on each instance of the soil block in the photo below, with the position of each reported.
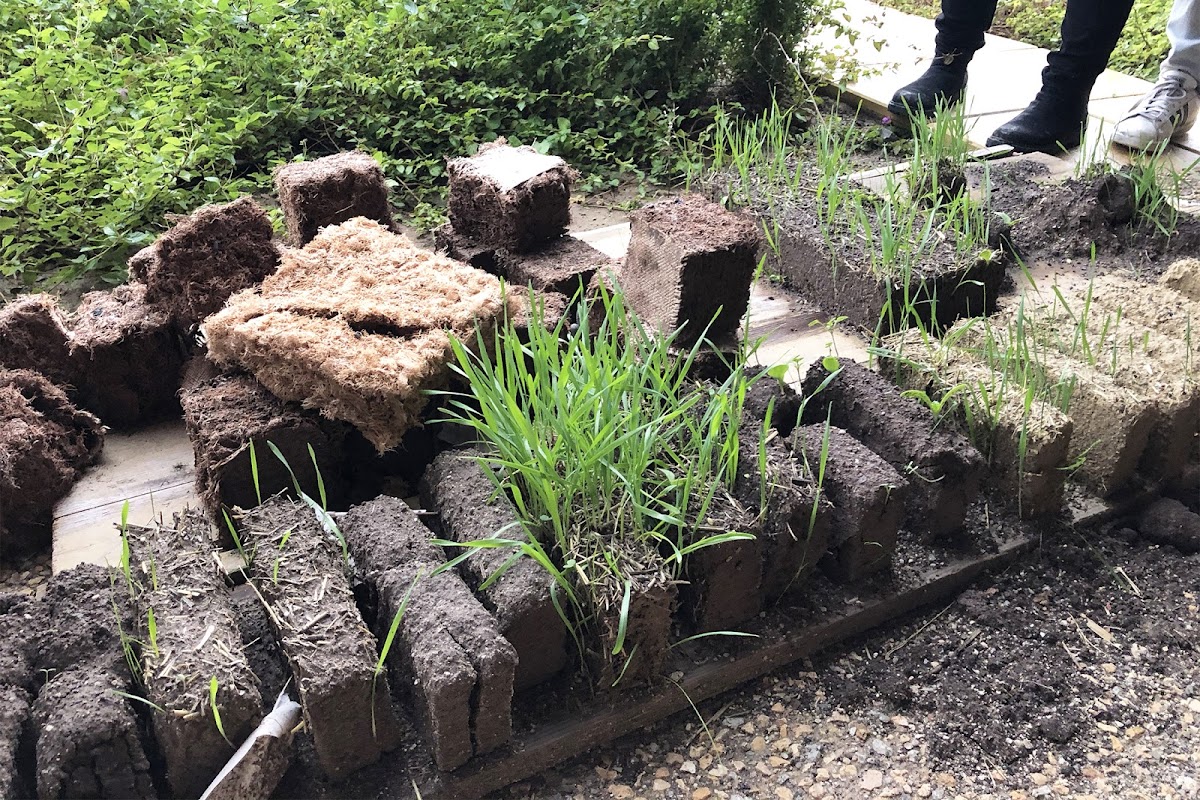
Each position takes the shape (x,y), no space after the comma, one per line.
(868,498)
(197,642)
(385,535)
(510,197)
(227,414)
(564,266)
(456,486)
(945,469)
(783,400)
(330,191)
(1033,479)
(1168,521)
(358,325)
(87,744)
(21,621)
(299,571)
(33,336)
(85,613)
(130,355)
(690,262)
(451,654)
(45,443)
(15,742)
(723,580)
(1184,277)
(794,539)
(193,268)
(843,283)
(462,248)
(647,631)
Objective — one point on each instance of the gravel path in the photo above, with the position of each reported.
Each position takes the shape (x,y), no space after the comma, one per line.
(1073,674)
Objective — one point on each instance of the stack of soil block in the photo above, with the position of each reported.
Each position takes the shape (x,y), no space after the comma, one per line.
(196,645)
(299,570)
(130,356)
(564,266)
(88,741)
(33,336)
(45,443)
(358,325)
(511,198)
(448,648)
(456,486)
(192,269)
(228,414)
(868,497)
(330,191)
(690,262)
(943,468)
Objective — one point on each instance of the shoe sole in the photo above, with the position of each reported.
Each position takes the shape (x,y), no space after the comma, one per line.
(1054,148)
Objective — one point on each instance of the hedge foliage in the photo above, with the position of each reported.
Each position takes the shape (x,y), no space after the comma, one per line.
(116,112)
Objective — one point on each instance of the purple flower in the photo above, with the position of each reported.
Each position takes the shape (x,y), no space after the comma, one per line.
(886,120)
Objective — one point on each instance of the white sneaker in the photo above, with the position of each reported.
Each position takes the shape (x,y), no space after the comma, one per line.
(1168,111)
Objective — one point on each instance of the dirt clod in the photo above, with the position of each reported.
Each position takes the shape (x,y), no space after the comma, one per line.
(1169,521)
(33,336)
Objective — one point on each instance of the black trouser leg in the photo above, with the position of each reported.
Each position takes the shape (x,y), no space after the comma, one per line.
(1090,31)
(960,28)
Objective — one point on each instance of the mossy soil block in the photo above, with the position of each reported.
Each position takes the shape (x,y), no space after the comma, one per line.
(510,197)
(45,444)
(299,570)
(358,325)
(34,336)
(838,276)
(690,264)
(449,652)
(196,642)
(228,414)
(193,268)
(469,509)
(130,355)
(945,470)
(329,191)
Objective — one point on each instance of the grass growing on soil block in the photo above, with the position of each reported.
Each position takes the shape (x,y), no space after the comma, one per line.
(617,463)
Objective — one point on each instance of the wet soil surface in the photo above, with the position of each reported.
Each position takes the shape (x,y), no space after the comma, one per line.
(1073,673)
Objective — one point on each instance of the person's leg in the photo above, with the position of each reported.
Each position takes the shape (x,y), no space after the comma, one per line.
(1183,32)
(1055,119)
(960,27)
(1171,107)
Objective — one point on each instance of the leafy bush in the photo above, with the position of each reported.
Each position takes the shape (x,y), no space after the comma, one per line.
(115,112)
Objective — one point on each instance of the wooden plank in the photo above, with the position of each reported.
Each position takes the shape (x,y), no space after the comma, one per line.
(583,731)
(151,468)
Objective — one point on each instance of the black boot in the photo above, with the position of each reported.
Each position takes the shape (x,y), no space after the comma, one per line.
(942,86)
(1053,123)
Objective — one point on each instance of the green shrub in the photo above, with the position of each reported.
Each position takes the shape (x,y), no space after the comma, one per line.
(114,113)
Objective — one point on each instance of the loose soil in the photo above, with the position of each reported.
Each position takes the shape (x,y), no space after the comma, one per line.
(1005,692)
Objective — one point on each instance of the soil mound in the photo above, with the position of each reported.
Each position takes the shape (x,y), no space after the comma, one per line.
(195,266)
(329,191)
(357,324)
(1184,277)
(45,442)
